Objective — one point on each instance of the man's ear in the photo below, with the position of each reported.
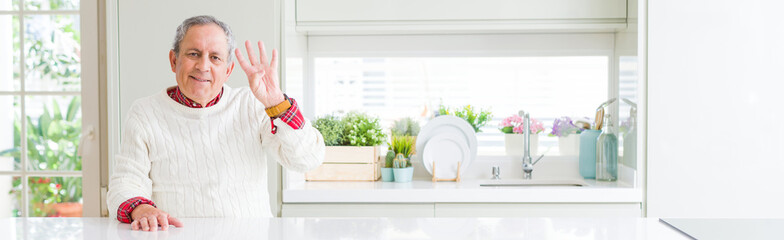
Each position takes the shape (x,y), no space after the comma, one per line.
(173,60)
(229,69)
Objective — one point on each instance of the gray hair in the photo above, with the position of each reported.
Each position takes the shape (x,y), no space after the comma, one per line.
(202,20)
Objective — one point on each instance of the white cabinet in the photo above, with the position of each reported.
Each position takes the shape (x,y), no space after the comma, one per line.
(537,210)
(357,210)
(458,15)
(445,10)
(462,210)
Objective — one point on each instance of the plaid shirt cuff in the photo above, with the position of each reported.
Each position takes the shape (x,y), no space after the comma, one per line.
(127,207)
(292,117)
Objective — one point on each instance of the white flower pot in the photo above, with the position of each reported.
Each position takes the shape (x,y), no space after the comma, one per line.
(569,145)
(515,144)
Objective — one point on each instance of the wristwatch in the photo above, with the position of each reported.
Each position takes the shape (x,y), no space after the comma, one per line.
(276,110)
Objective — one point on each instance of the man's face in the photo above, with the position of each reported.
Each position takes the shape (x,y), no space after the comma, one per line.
(201,67)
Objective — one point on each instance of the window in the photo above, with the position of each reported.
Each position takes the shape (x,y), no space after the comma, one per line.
(547,75)
(393,88)
(41,89)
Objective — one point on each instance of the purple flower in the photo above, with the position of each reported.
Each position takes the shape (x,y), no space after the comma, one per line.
(564,126)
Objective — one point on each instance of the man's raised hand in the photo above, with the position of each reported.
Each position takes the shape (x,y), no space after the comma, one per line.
(262,74)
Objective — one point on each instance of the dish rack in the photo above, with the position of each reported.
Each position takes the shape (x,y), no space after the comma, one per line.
(456,179)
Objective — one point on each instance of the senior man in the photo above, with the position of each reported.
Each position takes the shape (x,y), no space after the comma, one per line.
(198,149)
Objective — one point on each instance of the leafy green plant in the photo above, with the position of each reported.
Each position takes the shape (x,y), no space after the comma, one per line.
(359,129)
(403,146)
(467,112)
(51,145)
(405,127)
(52,50)
(331,129)
(353,129)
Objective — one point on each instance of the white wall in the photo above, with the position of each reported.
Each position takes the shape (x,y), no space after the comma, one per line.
(716,142)
(145,33)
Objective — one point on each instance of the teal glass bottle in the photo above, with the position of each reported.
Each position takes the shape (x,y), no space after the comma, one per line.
(607,152)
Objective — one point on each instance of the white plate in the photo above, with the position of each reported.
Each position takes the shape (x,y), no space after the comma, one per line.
(447,124)
(446,150)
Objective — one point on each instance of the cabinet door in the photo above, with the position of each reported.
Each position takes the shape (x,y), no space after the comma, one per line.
(460,10)
(357,210)
(537,210)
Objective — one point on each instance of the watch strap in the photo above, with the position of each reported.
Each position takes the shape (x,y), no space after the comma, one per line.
(276,110)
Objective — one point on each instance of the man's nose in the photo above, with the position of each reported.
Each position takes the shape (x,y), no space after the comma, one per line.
(203,64)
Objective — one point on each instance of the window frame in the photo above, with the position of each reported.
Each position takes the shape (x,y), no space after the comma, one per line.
(90,137)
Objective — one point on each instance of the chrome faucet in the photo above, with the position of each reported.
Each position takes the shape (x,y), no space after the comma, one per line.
(528,166)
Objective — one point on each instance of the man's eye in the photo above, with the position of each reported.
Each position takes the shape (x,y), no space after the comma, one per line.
(216,58)
(193,54)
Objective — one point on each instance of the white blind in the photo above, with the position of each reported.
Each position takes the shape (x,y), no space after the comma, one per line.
(547,75)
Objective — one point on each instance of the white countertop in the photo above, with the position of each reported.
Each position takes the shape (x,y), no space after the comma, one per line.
(467,191)
(346,228)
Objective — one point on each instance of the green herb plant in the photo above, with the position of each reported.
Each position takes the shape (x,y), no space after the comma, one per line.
(477,120)
(360,129)
(405,127)
(353,129)
(331,129)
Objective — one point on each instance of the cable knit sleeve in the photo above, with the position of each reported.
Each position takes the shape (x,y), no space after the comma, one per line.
(130,177)
(300,150)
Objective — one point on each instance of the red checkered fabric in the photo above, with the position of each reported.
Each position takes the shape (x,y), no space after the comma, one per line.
(176,94)
(127,207)
(292,117)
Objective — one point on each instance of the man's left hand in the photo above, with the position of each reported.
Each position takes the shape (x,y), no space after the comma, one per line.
(262,74)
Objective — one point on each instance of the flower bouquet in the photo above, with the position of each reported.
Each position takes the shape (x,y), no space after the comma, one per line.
(514,138)
(568,135)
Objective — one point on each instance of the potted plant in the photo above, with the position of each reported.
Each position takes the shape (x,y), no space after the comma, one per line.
(403,146)
(468,113)
(387,175)
(401,127)
(514,140)
(352,151)
(568,135)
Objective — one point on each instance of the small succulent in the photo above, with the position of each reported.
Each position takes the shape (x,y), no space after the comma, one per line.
(401,161)
(390,158)
(403,147)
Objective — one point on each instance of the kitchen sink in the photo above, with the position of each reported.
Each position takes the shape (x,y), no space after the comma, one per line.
(533,183)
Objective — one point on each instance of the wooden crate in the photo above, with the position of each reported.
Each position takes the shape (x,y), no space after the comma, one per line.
(348,163)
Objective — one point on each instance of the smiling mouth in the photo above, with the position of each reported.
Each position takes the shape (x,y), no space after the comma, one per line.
(199,79)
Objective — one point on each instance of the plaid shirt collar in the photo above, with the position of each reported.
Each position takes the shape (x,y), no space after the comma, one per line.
(175,94)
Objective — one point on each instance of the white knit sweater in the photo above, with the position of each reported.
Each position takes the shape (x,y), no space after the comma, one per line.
(206,162)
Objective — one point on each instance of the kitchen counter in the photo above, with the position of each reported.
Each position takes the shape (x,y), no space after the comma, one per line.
(467,191)
(346,228)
